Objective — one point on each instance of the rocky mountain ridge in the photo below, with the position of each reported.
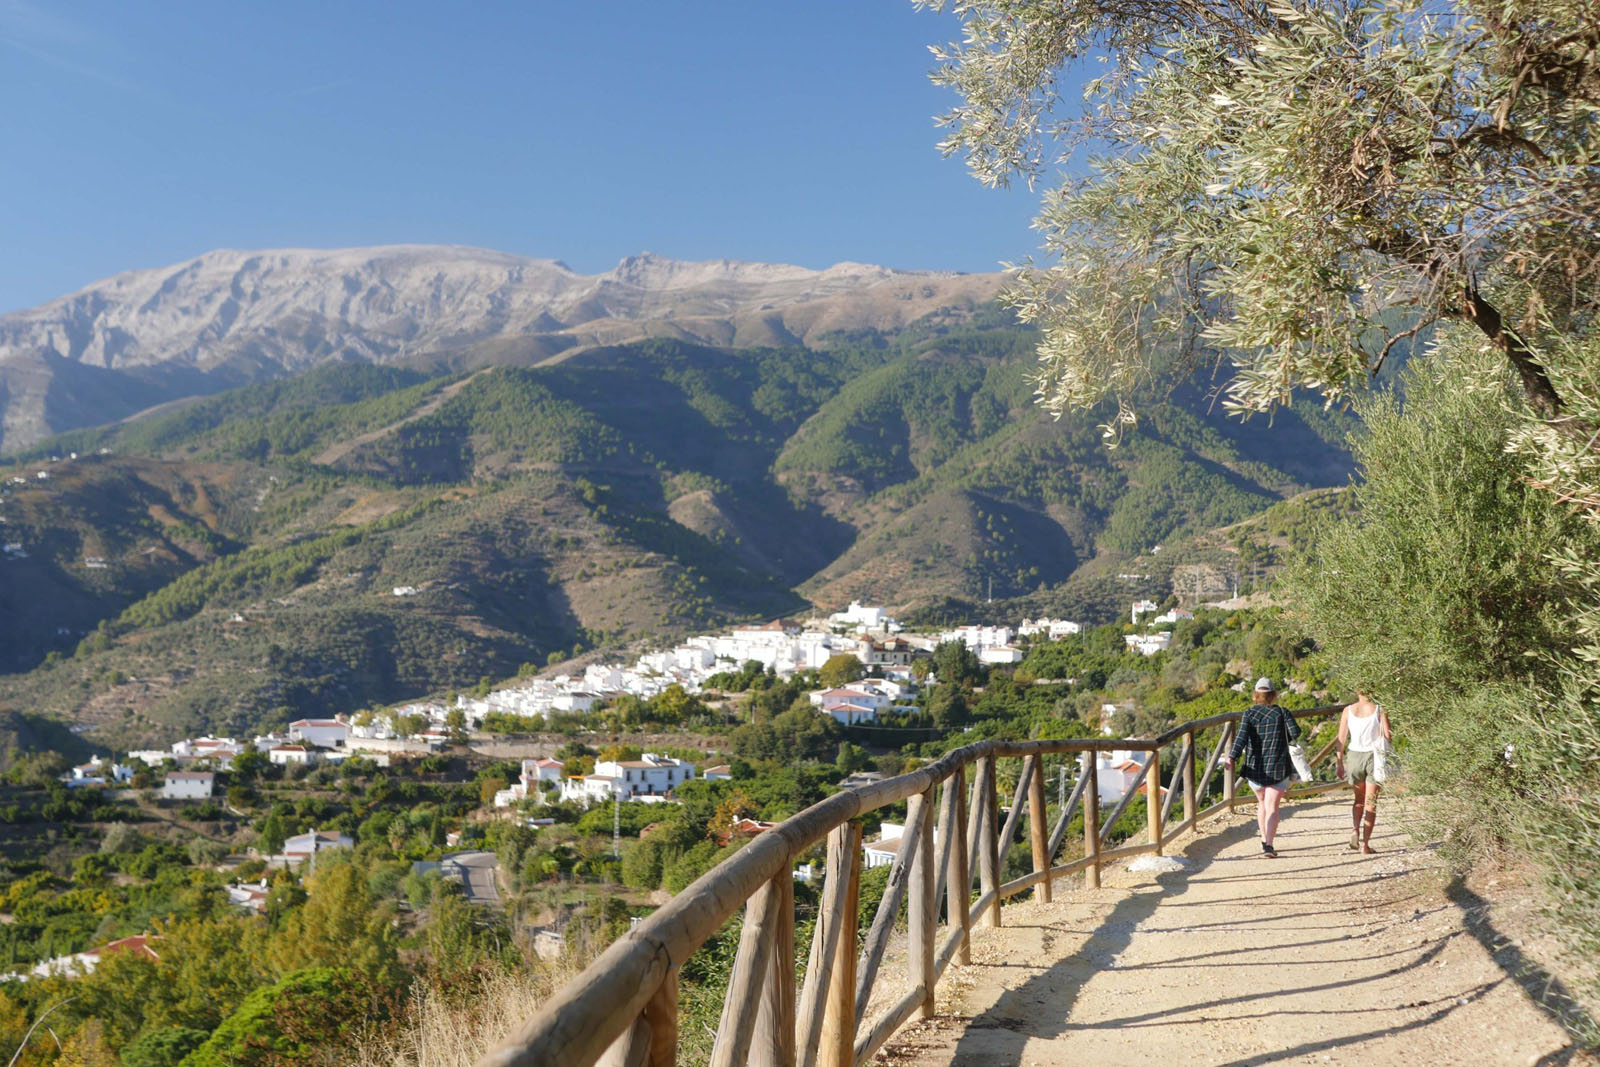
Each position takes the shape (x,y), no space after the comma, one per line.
(231,317)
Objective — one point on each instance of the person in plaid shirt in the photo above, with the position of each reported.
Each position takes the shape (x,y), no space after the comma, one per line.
(1265,730)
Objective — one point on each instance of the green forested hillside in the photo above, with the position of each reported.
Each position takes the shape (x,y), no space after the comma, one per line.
(246,548)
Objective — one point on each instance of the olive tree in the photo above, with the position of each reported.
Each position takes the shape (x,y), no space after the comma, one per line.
(1291,187)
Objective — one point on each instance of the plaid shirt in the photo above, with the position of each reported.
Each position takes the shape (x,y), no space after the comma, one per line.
(1266,730)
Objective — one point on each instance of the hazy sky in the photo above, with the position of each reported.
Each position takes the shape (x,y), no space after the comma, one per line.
(137,135)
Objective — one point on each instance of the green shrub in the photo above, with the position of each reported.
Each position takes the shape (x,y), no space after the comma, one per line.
(297,1019)
(166,1047)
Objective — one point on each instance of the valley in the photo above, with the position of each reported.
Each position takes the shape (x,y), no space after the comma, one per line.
(235,561)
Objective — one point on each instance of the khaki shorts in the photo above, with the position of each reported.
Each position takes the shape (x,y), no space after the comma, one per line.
(1358,767)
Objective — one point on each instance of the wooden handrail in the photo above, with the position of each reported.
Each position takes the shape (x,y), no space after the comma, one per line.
(623,1005)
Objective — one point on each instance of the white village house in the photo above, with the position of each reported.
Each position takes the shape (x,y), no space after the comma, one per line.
(880,851)
(80,963)
(861,701)
(1052,629)
(535,773)
(978,638)
(188,785)
(1149,644)
(849,704)
(1117,771)
(650,777)
(302,847)
(323,733)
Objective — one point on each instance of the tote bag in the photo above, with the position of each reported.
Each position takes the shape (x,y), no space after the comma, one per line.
(1385,764)
(1297,752)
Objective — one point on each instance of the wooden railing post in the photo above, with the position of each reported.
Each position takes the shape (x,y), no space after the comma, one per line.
(958,882)
(1008,834)
(774,1040)
(975,822)
(839,1001)
(922,909)
(661,1013)
(632,1049)
(1152,798)
(1039,826)
(1188,780)
(1091,819)
(989,845)
(1228,782)
(883,923)
(738,1041)
(652,1040)
(835,933)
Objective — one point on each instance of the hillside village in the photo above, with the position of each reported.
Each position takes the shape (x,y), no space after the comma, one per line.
(783,649)
(895,663)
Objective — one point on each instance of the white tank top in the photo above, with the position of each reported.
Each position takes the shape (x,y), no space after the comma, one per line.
(1365,733)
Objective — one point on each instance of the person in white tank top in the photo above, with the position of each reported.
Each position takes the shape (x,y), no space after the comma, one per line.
(1362,728)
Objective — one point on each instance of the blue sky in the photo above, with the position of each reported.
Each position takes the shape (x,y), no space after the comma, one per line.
(137,135)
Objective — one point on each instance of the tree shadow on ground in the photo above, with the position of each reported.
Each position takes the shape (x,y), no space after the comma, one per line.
(1548,993)
(1041,1008)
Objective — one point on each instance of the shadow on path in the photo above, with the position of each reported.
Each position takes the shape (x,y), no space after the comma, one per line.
(1546,991)
(1041,1006)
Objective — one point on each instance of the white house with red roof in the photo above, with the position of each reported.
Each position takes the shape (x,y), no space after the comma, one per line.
(850,704)
(81,963)
(1117,772)
(283,755)
(250,896)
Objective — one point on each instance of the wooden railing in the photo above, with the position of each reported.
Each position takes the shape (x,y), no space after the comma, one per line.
(623,1009)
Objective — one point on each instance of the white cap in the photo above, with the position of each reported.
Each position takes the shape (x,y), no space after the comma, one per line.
(1264,685)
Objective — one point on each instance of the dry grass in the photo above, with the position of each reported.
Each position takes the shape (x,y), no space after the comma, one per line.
(455,1031)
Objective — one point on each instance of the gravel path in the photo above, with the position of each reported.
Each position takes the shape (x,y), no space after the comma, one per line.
(1320,956)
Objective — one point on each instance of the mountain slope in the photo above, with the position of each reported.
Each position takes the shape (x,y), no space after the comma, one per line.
(228,318)
(363,533)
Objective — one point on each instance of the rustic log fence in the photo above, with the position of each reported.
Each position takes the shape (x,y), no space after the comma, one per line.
(622,1010)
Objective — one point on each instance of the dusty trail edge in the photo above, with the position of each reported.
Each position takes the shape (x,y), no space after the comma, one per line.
(1323,955)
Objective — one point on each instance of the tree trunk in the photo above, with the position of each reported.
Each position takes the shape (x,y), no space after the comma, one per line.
(1541,395)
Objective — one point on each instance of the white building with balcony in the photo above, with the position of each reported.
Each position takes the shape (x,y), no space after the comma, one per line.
(651,777)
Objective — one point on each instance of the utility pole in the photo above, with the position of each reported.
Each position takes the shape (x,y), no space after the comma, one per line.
(616,826)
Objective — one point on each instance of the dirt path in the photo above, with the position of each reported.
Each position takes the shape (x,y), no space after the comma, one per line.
(334,453)
(1320,956)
